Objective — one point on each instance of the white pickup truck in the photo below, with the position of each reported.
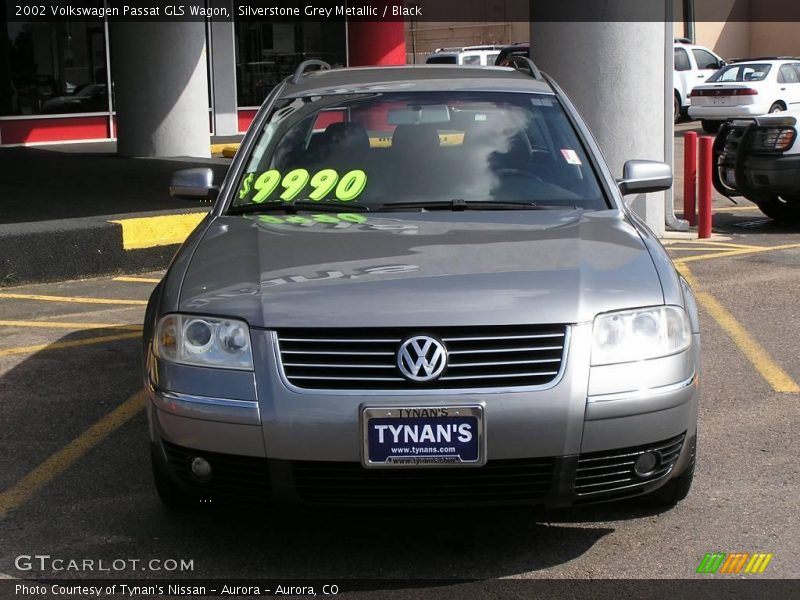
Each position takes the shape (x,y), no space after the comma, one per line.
(693,65)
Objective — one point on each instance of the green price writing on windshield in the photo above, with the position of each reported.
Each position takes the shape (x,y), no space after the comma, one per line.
(345,188)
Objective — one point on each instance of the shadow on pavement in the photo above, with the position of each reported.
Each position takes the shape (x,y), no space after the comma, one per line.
(40,184)
(104,505)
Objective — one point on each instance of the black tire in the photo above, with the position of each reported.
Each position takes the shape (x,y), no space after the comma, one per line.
(779,209)
(676,108)
(777,107)
(171,496)
(675,490)
(710,126)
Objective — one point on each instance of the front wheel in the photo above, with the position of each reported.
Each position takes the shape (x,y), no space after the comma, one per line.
(710,126)
(780,209)
(676,108)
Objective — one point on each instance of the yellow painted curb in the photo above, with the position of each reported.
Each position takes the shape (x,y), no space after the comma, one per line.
(148,232)
(227,150)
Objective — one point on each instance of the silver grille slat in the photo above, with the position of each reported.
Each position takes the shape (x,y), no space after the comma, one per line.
(505,362)
(502,337)
(327,365)
(537,374)
(539,349)
(366,358)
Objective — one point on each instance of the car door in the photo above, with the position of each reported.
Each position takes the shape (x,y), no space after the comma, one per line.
(706,64)
(682,75)
(789,84)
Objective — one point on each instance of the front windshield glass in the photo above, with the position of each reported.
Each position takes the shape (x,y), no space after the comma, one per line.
(385,148)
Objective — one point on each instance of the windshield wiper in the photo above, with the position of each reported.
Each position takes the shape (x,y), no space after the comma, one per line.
(459,205)
(292,208)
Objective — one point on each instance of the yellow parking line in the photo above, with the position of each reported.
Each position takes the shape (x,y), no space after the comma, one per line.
(733,208)
(137,279)
(71,299)
(740,252)
(68,325)
(69,344)
(773,374)
(164,230)
(714,243)
(59,462)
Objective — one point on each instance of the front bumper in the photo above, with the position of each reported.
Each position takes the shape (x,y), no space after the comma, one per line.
(571,443)
(739,171)
(721,113)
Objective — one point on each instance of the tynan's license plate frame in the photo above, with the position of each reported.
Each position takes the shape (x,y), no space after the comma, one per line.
(387,430)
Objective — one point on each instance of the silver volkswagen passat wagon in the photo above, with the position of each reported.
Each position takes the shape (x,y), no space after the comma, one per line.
(420,286)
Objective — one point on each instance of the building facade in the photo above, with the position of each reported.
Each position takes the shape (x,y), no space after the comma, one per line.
(57,78)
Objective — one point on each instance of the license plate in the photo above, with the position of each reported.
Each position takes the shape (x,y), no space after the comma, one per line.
(423,436)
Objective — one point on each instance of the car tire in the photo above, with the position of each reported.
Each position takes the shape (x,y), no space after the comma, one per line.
(779,209)
(675,490)
(776,107)
(710,126)
(676,108)
(171,495)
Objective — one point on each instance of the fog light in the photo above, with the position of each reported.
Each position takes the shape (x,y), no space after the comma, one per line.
(646,464)
(201,469)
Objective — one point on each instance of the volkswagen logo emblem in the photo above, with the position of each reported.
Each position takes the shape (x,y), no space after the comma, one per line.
(422,358)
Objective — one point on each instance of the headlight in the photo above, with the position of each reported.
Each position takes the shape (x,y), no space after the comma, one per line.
(772,138)
(640,334)
(204,341)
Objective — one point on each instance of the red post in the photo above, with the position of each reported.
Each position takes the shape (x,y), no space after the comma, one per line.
(704,185)
(689,176)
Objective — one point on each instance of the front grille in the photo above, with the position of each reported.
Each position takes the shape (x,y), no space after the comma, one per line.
(611,473)
(499,482)
(366,359)
(233,475)
(732,141)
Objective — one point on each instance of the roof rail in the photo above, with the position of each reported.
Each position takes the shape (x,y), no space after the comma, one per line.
(301,68)
(757,58)
(522,63)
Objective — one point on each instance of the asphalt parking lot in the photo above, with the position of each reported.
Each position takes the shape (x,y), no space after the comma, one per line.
(76,476)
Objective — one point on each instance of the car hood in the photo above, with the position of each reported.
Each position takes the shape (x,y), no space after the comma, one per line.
(419,269)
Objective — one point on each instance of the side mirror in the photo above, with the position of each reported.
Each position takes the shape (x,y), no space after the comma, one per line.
(644,176)
(193,184)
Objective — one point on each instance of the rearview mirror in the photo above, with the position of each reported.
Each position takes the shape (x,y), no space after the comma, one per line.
(193,184)
(644,176)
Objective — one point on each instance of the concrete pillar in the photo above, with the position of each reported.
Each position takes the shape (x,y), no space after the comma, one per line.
(160,88)
(223,42)
(615,74)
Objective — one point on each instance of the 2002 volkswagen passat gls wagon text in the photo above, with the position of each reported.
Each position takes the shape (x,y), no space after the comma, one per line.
(420,286)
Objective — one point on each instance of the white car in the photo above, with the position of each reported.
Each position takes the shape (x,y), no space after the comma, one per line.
(747,88)
(466,55)
(693,65)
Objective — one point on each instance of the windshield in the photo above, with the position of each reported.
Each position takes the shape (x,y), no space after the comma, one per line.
(379,149)
(739,73)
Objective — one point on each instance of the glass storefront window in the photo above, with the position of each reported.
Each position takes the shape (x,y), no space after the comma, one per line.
(52,68)
(268,52)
